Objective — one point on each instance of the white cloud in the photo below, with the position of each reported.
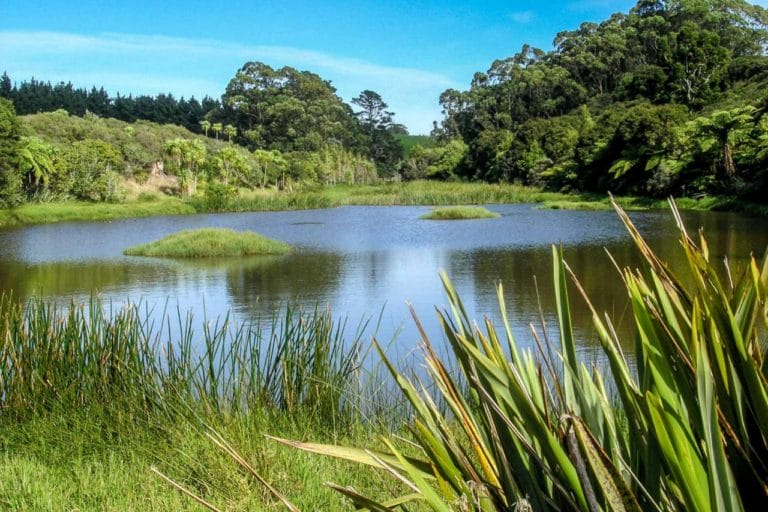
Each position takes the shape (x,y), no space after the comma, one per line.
(522,17)
(152,64)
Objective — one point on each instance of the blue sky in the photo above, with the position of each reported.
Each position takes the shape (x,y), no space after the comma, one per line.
(408,51)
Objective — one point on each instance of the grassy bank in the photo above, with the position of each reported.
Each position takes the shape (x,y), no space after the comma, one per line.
(208,243)
(593,202)
(40,213)
(417,193)
(97,460)
(91,398)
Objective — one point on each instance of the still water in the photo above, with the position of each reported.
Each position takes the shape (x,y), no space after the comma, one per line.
(364,263)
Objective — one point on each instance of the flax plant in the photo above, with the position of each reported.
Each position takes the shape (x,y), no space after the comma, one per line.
(681,425)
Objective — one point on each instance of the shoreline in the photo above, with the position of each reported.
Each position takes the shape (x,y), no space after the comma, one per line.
(419,193)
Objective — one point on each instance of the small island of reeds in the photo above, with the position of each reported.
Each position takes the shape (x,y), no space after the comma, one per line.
(459,213)
(208,243)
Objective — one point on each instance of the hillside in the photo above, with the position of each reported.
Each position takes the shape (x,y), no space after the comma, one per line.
(115,156)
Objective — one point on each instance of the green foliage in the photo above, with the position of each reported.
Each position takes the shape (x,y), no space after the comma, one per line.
(271,165)
(383,148)
(210,242)
(140,144)
(235,163)
(188,156)
(332,165)
(287,110)
(441,162)
(719,133)
(33,96)
(683,426)
(408,142)
(219,196)
(89,171)
(36,163)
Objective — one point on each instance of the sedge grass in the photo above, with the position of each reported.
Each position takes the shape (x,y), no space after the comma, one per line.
(459,213)
(210,242)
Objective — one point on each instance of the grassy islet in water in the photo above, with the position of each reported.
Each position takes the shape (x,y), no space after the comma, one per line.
(459,213)
(210,242)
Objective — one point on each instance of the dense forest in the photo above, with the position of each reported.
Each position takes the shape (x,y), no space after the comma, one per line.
(669,98)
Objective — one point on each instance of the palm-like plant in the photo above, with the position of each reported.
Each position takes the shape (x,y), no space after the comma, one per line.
(230,131)
(722,130)
(205,125)
(217,127)
(36,161)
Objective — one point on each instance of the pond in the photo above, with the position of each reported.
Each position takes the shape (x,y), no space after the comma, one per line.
(364,263)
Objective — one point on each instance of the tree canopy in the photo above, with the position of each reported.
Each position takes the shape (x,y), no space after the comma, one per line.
(608,108)
(288,110)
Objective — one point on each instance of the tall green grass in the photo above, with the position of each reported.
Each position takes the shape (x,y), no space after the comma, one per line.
(80,356)
(387,194)
(681,426)
(306,197)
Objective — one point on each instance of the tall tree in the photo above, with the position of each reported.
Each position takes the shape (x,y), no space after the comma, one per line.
(376,121)
(287,110)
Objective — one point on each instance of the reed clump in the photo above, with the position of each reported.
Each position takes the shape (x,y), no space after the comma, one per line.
(88,354)
(210,242)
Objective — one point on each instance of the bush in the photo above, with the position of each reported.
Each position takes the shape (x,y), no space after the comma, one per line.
(218,196)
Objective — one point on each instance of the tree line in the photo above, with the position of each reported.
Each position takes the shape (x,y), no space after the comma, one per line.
(262,108)
(669,98)
(35,96)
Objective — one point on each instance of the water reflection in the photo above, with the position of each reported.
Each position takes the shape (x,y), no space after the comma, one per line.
(358,259)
